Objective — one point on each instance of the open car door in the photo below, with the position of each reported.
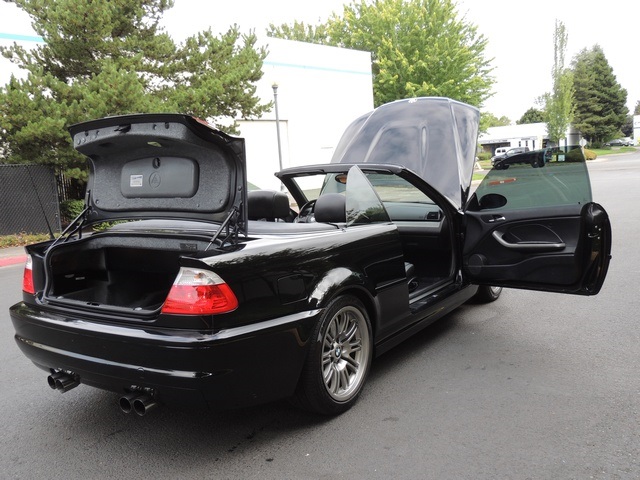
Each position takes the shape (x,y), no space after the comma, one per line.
(532,224)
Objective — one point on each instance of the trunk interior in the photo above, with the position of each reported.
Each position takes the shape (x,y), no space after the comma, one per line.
(127,273)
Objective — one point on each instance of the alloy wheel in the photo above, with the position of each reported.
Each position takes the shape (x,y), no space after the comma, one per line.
(345,353)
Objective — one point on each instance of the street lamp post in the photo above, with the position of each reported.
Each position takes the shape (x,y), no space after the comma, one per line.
(275,101)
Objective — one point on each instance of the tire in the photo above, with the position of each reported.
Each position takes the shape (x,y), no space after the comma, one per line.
(338,360)
(487,294)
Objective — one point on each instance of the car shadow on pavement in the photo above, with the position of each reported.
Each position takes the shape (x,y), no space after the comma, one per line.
(92,417)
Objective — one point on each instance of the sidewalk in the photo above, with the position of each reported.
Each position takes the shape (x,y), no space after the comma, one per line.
(12,256)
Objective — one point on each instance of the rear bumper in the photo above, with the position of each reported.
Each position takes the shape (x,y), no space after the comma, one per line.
(236,367)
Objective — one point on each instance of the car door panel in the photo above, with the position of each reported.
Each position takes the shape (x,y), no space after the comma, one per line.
(561,253)
(536,227)
(507,249)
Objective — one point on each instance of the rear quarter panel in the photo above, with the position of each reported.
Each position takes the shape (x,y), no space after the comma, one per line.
(274,276)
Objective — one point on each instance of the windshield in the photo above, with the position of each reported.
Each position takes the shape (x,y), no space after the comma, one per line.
(389,187)
(362,199)
(393,189)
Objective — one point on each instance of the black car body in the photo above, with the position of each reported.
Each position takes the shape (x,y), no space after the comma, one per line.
(509,153)
(215,296)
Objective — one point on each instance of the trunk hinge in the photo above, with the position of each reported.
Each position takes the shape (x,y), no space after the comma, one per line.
(229,227)
(75,226)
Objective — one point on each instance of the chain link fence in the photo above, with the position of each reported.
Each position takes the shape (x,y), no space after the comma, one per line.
(29,201)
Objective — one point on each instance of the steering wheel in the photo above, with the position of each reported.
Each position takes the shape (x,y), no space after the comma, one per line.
(306,213)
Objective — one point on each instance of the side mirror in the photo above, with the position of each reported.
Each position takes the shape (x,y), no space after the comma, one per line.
(492,200)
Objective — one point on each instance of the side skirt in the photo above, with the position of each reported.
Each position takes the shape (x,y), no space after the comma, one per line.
(423,317)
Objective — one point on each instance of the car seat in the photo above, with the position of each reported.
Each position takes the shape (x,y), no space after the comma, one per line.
(267,205)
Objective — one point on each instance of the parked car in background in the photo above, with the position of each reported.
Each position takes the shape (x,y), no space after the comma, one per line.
(215,296)
(500,151)
(535,158)
(628,141)
(508,153)
(618,142)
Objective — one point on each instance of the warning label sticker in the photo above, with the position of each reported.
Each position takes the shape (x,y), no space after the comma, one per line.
(135,180)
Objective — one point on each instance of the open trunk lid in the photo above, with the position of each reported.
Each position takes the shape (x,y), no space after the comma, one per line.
(162,166)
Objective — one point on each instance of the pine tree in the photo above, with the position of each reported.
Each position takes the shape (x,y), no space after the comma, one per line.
(600,101)
(109,58)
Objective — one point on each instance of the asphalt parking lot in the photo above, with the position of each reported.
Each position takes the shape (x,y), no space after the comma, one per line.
(534,386)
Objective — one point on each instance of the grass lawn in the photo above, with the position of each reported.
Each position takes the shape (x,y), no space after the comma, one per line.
(602,152)
(479,174)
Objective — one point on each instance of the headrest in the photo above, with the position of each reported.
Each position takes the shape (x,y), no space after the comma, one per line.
(268,204)
(330,208)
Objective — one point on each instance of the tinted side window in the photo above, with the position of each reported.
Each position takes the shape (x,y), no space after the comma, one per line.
(540,178)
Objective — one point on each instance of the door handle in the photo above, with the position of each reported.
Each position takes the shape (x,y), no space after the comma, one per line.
(528,246)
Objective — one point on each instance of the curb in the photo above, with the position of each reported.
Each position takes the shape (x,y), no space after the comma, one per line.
(5,262)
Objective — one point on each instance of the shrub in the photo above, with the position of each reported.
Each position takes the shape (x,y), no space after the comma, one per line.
(590,154)
(577,154)
(22,238)
(484,156)
(70,209)
(104,226)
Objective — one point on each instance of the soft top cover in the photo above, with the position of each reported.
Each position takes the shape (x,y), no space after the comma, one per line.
(434,137)
(162,166)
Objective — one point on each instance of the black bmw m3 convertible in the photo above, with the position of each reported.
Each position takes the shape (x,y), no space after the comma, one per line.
(202,292)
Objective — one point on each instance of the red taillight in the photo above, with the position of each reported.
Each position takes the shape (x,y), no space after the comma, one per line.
(199,292)
(27,277)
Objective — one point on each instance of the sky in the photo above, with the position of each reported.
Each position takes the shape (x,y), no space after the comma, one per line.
(520,35)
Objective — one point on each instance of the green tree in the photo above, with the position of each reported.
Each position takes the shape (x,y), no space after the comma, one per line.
(636,110)
(533,115)
(559,105)
(108,58)
(488,120)
(300,32)
(418,48)
(600,101)
(627,127)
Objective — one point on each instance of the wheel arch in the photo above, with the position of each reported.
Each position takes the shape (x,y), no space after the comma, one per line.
(343,281)
(369,304)
(337,364)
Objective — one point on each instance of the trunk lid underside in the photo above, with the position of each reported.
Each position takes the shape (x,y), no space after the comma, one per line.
(162,166)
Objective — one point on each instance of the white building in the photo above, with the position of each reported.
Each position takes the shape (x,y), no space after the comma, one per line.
(532,135)
(320,91)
